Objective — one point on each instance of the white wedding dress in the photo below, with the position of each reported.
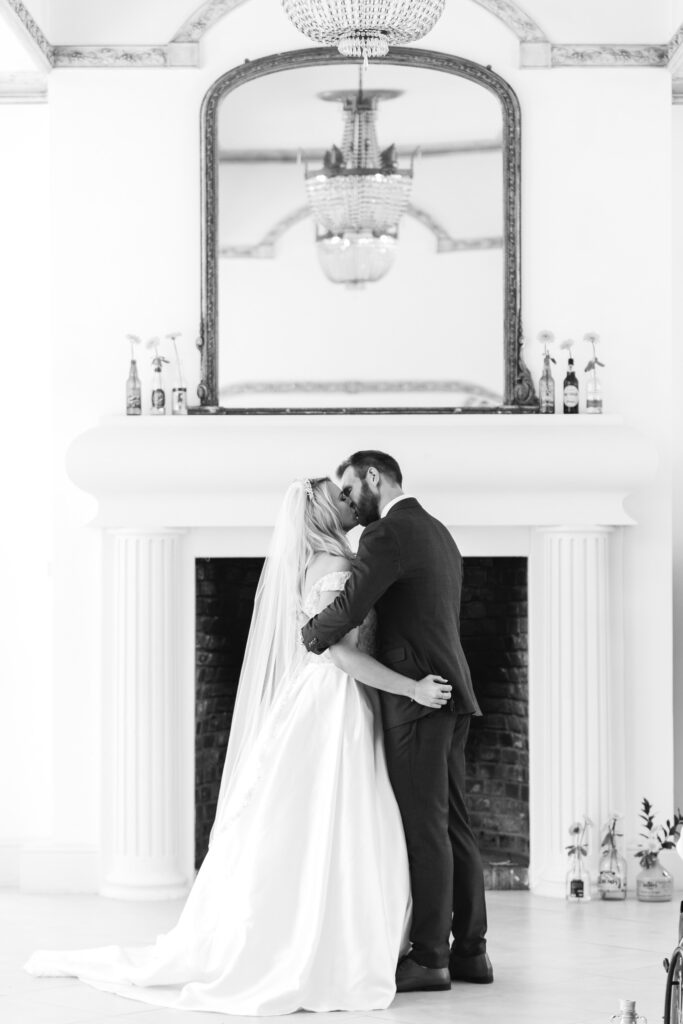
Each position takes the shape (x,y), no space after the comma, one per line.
(303,898)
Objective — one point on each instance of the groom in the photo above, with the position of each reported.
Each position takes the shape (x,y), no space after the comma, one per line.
(409,568)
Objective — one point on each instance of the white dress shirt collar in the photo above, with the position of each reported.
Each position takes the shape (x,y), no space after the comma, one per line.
(390,504)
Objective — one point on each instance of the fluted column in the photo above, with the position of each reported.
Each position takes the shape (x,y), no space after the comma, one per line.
(142,720)
(574,711)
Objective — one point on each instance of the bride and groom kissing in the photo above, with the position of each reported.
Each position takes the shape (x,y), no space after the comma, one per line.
(341,859)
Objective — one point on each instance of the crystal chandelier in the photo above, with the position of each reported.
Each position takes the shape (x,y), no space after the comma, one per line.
(356,258)
(364,28)
(359,189)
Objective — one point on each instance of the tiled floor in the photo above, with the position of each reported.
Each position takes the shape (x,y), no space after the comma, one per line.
(555,963)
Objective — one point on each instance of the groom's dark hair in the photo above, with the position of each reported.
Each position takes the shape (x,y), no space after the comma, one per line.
(360,462)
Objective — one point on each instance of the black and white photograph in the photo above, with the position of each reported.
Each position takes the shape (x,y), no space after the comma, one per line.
(342,525)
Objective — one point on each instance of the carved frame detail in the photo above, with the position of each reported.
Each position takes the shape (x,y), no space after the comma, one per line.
(519,395)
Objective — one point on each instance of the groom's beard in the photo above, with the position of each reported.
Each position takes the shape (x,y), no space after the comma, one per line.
(367,506)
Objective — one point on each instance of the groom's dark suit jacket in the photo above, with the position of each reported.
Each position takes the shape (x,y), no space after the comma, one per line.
(409,568)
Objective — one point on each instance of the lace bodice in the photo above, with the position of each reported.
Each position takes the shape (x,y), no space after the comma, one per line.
(330,581)
(337,581)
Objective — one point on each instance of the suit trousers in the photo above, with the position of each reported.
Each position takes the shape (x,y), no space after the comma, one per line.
(426,762)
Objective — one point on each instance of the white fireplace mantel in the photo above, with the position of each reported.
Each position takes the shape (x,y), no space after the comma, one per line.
(170,490)
(473,469)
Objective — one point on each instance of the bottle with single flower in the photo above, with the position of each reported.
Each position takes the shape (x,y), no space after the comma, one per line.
(578,887)
(546,385)
(612,867)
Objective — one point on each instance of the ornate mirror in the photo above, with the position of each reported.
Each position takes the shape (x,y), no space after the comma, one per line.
(361,237)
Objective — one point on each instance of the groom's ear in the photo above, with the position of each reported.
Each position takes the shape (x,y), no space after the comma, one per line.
(373,476)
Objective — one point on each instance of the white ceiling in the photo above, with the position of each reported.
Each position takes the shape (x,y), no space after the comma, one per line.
(433,108)
(157,21)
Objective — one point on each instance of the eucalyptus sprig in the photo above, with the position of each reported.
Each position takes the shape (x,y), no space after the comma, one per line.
(657,837)
(579,830)
(592,340)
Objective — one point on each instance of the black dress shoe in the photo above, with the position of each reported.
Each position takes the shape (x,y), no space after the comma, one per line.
(413,977)
(476,969)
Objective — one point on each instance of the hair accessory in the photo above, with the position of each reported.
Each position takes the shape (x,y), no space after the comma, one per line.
(309,487)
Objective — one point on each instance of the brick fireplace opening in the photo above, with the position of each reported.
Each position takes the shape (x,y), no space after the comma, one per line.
(495,638)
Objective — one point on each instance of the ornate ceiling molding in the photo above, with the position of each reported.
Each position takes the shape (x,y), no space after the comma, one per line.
(524,27)
(171,55)
(212,11)
(607,55)
(265,248)
(23,87)
(30,30)
(204,18)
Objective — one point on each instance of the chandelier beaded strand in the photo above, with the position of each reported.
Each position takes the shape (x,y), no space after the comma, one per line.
(364,28)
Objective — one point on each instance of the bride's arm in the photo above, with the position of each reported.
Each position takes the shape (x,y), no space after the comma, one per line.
(432,691)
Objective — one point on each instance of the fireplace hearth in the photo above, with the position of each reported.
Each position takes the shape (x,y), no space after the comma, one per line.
(494,633)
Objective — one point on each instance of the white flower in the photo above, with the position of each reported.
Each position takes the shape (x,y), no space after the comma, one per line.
(575,828)
(569,343)
(546,337)
(652,846)
(592,338)
(133,339)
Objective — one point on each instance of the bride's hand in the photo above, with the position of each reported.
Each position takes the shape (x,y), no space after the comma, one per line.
(432,691)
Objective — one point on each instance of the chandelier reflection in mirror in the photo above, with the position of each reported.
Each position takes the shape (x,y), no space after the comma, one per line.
(359,196)
(364,28)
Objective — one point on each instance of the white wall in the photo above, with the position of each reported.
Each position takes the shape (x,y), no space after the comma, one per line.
(596,236)
(25,509)
(677,436)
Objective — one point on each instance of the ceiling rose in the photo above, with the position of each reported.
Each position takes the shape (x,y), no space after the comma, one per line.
(364,28)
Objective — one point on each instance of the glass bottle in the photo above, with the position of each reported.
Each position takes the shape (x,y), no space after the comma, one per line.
(570,390)
(578,887)
(612,874)
(654,884)
(133,391)
(593,393)
(158,393)
(627,1013)
(546,387)
(179,401)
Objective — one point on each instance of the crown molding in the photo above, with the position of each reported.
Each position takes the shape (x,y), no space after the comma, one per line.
(22,21)
(204,17)
(517,20)
(168,55)
(23,87)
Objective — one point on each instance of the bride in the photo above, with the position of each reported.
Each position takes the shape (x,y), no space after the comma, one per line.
(303,898)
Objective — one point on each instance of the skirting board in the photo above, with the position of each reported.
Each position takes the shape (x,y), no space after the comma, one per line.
(54,867)
(10,855)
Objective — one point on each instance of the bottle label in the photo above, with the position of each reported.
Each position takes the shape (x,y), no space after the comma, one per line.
(576,888)
(609,881)
(158,398)
(134,403)
(571,396)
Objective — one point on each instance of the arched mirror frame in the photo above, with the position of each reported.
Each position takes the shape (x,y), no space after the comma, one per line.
(519,395)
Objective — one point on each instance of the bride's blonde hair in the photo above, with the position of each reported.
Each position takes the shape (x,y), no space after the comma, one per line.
(323,533)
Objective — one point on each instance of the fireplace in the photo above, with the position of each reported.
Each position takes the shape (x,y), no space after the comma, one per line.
(494,636)
(185,489)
